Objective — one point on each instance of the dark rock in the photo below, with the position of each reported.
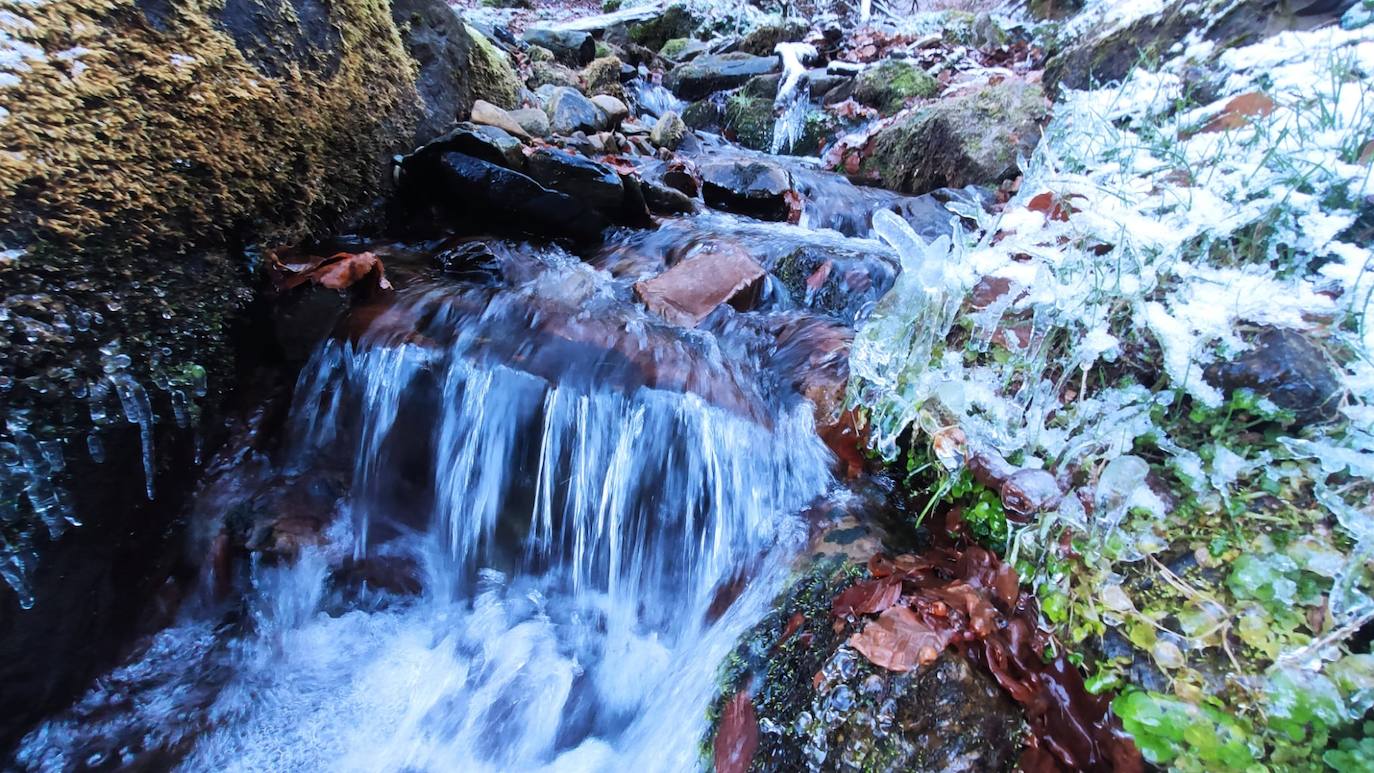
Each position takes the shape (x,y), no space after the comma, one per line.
(472,140)
(484,192)
(704,114)
(965,140)
(592,183)
(755,188)
(471,261)
(707,74)
(571,47)
(665,200)
(749,121)
(1289,370)
(841,283)
(681,50)
(569,111)
(762,86)
(689,291)
(436,40)
(512,149)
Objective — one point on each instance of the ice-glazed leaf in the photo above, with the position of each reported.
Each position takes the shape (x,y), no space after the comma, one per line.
(899,641)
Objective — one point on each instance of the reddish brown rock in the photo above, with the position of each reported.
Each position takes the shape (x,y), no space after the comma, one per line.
(692,289)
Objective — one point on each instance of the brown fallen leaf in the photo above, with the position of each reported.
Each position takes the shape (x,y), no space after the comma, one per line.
(1239,111)
(738,737)
(899,641)
(339,271)
(867,598)
(1052,206)
(818,277)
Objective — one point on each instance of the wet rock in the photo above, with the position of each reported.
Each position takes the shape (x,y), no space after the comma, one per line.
(615,110)
(569,111)
(762,86)
(473,188)
(704,114)
(890,85)
(749,120)
(487,114)
(570,47)
(970,139)
(511,148)
(707,74)
(1287,369)
(532,120)
(668,131)
(470,139)
(844,284)
(689,291)
(435,37)
(592,183)
(825,707)
(747,187)
(664,200)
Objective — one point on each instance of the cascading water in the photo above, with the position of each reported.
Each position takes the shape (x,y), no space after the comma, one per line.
(579,489)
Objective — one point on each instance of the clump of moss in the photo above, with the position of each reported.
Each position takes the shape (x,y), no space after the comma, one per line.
(674,47)
(889,86)
(750,119)
(676,21)
(602,76)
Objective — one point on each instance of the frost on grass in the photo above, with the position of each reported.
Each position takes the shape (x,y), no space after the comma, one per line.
(1151,236)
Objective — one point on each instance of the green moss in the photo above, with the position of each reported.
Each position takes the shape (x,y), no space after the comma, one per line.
(492,76)
(175,133)
(676,21)
(602,76)
(750,120)
(672,48)
(889,86)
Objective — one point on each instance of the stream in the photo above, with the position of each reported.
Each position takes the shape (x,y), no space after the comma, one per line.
(538,517)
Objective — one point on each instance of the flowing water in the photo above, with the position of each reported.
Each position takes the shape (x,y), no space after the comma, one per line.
(579,491)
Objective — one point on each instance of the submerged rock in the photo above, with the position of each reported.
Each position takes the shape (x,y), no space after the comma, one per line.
(707,74)
(747,187)
(1287,369)
(689,291)
(973,139)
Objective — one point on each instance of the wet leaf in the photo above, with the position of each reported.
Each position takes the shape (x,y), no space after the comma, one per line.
(339,271)
(738,737)
(868,598)
(899,641)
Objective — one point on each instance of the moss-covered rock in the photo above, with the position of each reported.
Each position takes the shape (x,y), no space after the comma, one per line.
(491,74)
(973,139)
(149,147)
(821,705)
(750,121)
(763,39)
(889,86)
(676,21)
(602,76)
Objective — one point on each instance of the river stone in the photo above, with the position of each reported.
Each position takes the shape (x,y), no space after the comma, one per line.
(591,183)
(973,139)
(1286,368)
(471,140)
(602,76)
(707,74)
(763,39)
(552,74)
(571,47)
(681,50)
(747,187)
(512,198)
(676,21)
(569,111)
(668,131)
(487,114)
(215,125)
(693,288)
(615,110)
(534,121)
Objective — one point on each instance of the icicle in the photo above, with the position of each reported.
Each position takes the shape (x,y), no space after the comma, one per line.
(138,410)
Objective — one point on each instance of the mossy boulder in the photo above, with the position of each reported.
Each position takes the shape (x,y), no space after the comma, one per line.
(491,74)
(763,39)
(602,76)
(676,21)
(972,139)
(750,121)
(820,705)
(889,86)
(151,149)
